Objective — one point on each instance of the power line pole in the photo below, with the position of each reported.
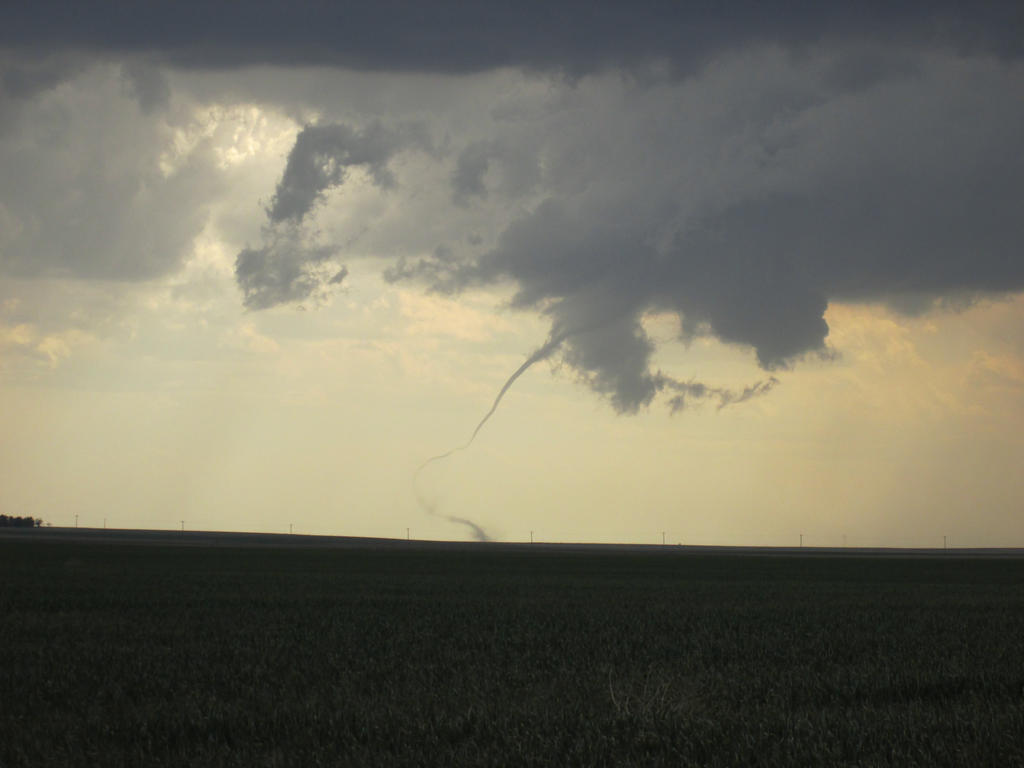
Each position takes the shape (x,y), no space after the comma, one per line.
(531,537)
(663,538)
(183,525)
(289,528)
(801,539)
(407,534)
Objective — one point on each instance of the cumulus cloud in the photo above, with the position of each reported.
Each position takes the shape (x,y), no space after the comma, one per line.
(83,193)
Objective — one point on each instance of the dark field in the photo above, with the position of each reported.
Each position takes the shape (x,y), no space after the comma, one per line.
(118,653)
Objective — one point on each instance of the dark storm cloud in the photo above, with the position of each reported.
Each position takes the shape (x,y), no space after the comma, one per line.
(689,391)
(905,189)
(285,269)
(451,36)
(288,267)
(321,157)
(865,176)
(759,273)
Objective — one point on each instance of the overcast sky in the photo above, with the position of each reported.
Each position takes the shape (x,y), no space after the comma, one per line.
(758,271)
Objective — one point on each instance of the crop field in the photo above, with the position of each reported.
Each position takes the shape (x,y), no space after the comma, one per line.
(120,654)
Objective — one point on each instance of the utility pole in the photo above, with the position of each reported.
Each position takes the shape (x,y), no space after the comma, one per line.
(531,537)
(104,522)
(289,528)
(801,539)
(406,534)
(944,543)
(663,538)
(183,526)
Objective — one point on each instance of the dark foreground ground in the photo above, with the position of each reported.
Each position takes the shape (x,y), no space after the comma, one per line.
(121,651)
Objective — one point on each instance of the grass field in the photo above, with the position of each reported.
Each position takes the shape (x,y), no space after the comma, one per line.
(159,655)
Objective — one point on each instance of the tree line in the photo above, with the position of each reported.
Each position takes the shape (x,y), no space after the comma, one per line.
(10,521)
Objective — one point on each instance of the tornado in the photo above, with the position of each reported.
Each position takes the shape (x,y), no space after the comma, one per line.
(541,353)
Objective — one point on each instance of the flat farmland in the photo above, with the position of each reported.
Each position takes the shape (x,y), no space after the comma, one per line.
(164,650)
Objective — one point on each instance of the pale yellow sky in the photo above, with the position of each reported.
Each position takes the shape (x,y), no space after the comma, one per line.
(910,434)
